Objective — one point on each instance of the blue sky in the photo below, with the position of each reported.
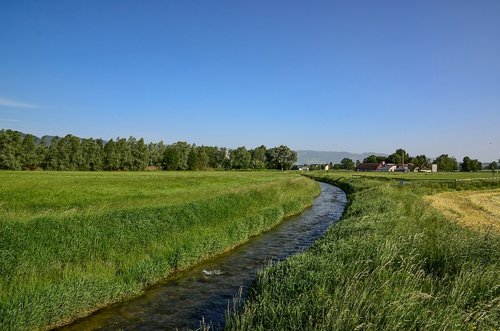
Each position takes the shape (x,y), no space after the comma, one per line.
(323,75)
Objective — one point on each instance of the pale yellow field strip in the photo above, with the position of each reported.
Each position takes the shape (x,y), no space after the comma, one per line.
(475,209)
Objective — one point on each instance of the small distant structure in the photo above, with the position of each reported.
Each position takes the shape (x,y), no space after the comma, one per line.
(365,166)
(434,168)
(404,167)
(389,167)
(313,166)
(300,167)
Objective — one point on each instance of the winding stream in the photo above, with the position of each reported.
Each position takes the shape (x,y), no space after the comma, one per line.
(208,288)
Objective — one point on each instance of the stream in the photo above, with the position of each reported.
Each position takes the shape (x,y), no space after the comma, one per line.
(207,289)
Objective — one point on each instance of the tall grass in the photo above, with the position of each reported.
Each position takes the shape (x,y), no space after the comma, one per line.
(391,263)
(73,242)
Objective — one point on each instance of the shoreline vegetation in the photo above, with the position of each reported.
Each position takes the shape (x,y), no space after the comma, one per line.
(73,242)
(392,262)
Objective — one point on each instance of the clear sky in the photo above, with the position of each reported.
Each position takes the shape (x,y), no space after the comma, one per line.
(324,75)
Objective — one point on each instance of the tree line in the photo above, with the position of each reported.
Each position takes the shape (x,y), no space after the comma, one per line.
(444,161)
(20,151)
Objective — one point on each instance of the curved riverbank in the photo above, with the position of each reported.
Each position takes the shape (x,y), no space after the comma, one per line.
(73,254)
(206,290)
(392,262)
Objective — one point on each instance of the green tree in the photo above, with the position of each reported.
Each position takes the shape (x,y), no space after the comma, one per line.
(124,153)
(192,161)
(176,156)
(156,152)
(171,159)
(258,159)
(240,158)
(421,161)
(281,158)
(10,150)
(446,163)
(493,166)
(470,165)
(347,164)
(203,158)
(93,154)
(374,159)
(139,154)
(41,152)
(111,156)
(398,156)
(73,151)
(29,157)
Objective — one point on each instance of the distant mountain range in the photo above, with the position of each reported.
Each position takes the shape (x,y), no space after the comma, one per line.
(320,157)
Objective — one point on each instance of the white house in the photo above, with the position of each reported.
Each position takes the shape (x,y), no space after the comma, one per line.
(388,168)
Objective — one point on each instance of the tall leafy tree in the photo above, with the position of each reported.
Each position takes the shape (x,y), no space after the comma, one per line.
(41,152)
(93,154)
(446,163)
(156,153)
(398,156)
(10,150)
(29,156)
(73,151)
(124,154)
(111,156)
(193,158)
(139,154)
(240,158)
(176,156)
(470,165)
(374,159)
(281,158)
(347,164)
(203,157)
(258,157)
(493,166)
(421,161)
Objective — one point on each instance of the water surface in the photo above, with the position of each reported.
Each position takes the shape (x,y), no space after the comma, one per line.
(208,288)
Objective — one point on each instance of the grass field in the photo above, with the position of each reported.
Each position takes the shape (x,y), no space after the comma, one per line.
(392,263)
(71,242)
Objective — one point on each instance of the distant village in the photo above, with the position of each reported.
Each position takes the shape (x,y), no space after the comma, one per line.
(401,161)
(368,166)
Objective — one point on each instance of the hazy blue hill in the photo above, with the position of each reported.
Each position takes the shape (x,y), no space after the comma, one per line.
(311,157)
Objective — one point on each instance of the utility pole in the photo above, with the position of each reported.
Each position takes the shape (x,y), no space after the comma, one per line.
(403,152)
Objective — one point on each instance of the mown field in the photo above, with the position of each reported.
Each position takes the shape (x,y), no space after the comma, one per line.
(475,209)
(393,262)
(71,242)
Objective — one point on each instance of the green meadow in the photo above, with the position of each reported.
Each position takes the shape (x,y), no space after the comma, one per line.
(71,242)
(393,262)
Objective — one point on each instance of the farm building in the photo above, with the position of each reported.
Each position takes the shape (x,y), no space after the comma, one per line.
(389,167)
(369,166)
(404,167)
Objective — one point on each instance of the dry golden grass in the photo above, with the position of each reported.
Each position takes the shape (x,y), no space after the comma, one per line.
(474,209)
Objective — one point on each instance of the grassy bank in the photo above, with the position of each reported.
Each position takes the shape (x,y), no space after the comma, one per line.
(72,242)
(392,263)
